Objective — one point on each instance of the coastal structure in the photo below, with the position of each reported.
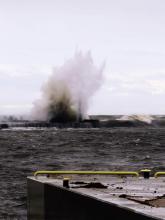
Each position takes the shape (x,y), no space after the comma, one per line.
(96,195)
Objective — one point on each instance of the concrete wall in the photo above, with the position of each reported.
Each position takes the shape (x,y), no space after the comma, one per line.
(49,202)
(35,202)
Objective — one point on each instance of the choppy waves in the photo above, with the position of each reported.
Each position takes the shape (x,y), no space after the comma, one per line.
(24,151)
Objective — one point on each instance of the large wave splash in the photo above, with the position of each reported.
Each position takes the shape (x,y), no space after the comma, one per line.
(142,118)
(66,94)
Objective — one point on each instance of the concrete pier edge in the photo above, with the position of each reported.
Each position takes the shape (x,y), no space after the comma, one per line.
(47,201)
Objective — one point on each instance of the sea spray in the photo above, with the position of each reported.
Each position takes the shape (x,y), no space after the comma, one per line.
(143,118)
(67,93)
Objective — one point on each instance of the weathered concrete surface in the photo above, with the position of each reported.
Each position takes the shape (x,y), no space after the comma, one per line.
(120,198)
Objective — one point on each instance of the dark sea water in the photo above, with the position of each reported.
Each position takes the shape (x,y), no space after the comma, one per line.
(24,151)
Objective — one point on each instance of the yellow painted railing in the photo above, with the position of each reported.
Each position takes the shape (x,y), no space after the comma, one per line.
(125,173)
(159,174)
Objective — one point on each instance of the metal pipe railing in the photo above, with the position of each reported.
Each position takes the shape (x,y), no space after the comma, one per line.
(57,172)
(159,174)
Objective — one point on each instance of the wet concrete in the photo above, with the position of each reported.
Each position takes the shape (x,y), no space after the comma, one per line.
(130,197)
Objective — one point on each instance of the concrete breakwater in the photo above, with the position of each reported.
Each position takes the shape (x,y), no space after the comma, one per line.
(96,198)
(85,124)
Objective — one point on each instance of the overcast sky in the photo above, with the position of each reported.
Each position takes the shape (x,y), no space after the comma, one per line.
(129,35)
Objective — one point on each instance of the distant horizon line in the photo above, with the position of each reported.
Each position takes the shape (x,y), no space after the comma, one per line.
(117,114)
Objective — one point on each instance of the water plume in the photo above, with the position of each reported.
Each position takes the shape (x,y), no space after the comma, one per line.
(142,118)
(67,93)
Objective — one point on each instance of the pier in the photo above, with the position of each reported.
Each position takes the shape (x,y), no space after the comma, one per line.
(96,196)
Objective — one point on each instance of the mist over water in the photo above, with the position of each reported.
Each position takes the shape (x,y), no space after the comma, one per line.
(68,91)
(143,118)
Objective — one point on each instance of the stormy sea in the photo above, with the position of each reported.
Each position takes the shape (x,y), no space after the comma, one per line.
(25,150)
